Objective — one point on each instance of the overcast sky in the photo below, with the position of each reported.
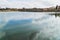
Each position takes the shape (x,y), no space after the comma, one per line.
(28,3)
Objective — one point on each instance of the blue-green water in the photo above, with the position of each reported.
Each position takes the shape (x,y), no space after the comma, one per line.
(29,26)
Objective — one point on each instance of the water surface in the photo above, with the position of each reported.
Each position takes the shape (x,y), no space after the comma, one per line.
(29,26)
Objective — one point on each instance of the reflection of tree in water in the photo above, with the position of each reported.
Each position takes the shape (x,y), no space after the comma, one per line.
(56,14)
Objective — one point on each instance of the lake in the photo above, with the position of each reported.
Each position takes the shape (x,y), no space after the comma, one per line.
(29,26)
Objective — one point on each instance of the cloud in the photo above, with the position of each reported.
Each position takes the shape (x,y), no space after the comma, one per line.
(28,3)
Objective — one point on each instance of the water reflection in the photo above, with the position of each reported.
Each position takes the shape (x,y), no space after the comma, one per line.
(56,14)
(30,26)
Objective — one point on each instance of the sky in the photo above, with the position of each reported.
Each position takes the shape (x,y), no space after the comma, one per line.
(28,3)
